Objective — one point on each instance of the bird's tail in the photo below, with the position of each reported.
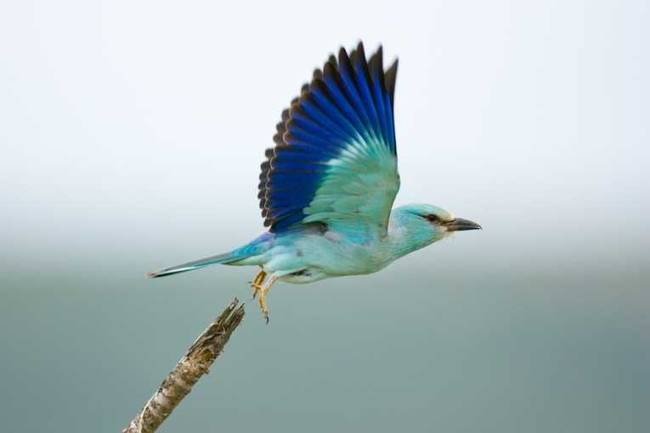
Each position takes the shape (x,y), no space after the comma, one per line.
(226,258)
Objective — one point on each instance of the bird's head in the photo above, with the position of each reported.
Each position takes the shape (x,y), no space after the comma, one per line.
(424,224)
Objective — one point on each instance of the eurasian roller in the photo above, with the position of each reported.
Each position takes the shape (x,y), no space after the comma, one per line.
(327,187)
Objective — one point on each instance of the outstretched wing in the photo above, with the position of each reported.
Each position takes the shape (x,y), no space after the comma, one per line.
(335,160)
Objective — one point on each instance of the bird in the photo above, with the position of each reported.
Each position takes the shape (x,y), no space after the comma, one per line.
(328,185)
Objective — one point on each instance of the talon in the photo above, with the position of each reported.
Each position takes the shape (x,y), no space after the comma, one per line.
(263,289)
(263,307)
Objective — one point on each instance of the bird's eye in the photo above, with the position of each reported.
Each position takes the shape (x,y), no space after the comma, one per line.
(432,218)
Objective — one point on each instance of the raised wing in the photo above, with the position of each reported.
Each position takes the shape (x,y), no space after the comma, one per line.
(335,159)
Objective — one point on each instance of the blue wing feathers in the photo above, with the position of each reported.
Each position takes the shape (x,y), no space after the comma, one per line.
(316,123)
(347,97)
(322,120)
(347,121)
(378,85)
(346,110)
(362,79)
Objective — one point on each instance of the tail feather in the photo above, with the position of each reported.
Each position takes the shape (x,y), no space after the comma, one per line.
(196,264)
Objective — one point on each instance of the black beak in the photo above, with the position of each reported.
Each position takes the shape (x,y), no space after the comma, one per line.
(460,224)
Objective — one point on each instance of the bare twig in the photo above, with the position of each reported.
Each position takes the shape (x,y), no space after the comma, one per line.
(188,371)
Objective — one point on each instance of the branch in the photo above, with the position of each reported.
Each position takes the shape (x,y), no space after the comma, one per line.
(188,371)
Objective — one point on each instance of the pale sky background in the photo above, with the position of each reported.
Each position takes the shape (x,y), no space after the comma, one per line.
(131,135)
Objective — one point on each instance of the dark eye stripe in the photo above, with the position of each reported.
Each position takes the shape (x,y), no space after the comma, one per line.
(432,218)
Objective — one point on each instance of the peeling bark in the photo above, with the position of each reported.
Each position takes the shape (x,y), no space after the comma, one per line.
(188,371)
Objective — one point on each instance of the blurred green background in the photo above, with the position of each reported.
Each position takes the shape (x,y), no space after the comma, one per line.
(83,350)
(131,138)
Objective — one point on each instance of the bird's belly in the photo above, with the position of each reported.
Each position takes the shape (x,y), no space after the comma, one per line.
(307,275)
(309,258)
(336,257)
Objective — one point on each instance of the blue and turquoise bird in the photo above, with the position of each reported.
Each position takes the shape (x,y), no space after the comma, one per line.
(327,187)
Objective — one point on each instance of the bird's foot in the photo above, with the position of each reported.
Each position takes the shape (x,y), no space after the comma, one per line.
(256,289)
(263,307)
(256,285)
(260,289)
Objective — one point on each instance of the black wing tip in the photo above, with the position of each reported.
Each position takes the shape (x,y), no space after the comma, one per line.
(361,51)
(390,77)
(372,64)
(344,58)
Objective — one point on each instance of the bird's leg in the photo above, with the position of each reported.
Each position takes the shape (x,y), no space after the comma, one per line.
(262,299)
(256,285)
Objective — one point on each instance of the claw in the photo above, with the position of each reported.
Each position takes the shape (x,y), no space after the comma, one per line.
(261,288)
